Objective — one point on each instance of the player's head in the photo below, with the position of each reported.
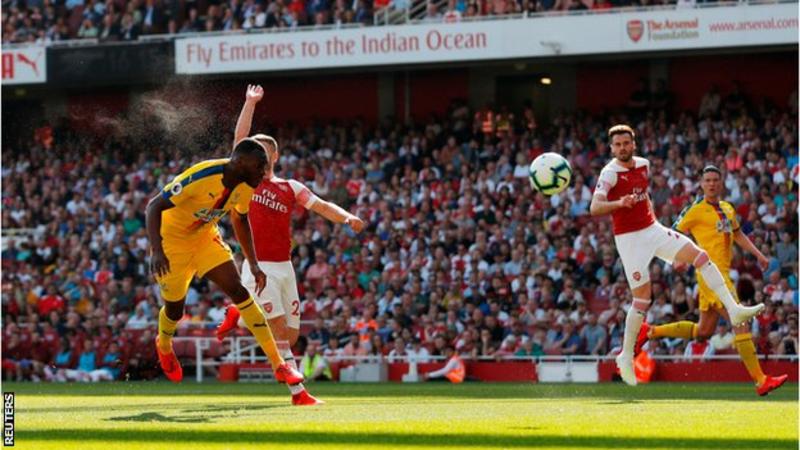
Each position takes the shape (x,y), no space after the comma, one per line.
(270,144)
(711,182)
(249,161)
(622,140)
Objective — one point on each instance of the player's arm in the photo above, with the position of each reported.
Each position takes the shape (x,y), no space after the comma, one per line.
(600,204)
(328,210)
(159,264)
(241,229)
(254,94)
(337,214)
(744,242)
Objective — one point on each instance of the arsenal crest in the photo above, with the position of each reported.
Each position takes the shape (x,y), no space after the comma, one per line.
(635,30)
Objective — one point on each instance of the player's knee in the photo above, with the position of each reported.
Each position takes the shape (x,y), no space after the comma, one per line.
(703,335)
(174,310)
(700,259)
(239,293)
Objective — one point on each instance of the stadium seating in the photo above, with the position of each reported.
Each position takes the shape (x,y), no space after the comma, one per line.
(81,234)
(127,20)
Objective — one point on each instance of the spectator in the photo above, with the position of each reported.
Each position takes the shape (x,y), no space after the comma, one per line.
(62,361)
(87,363)
(314,366)
(418,353)
(786,251)
(432,12)
(398,352)
(109,367)
(320,332)
(138,321)
(722,340)
(451,14)
(568,342)
(318,271)
(594,337)
(788,345)
(111,29)
(87,30)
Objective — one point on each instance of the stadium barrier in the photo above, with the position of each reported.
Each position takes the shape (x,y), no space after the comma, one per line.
(240,359)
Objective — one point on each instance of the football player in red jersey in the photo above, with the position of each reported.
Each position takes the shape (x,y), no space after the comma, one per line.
(271,209)
(623,191)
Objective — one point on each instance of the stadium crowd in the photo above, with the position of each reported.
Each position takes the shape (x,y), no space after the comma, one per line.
(458,250)
(45,21)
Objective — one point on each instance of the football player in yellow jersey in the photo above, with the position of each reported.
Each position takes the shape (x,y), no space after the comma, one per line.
(185,241)
(712,223)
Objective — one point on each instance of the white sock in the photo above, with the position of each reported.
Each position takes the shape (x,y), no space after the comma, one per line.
(286,353)
(714,280)
(633,322)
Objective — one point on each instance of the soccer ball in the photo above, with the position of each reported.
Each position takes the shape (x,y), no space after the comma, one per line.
(550,173)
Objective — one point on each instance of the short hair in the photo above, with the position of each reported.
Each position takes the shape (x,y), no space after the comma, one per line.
(711,168)
(250,147)
(620,129)
(265,139)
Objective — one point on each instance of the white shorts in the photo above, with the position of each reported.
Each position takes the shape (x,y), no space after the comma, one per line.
(280,297)
(637,249)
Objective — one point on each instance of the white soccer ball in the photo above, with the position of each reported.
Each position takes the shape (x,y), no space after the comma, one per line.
(550,173)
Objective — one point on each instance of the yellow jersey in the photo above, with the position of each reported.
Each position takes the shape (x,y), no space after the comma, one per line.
(712,227)
(200,201)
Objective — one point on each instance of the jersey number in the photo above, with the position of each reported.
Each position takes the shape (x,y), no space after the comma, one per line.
(296,308)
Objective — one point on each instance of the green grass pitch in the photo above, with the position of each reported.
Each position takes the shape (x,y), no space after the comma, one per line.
(435,415)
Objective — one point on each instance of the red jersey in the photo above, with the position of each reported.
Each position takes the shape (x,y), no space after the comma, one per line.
(270,216)
(615,182)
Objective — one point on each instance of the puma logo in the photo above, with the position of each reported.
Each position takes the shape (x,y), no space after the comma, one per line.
(34,63)
(260,325)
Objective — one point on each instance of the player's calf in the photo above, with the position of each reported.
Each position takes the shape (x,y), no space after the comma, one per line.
(711,274)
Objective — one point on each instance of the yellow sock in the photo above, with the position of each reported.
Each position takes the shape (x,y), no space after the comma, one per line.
(256,322)
(685,330)
(747,351)
(166,329)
